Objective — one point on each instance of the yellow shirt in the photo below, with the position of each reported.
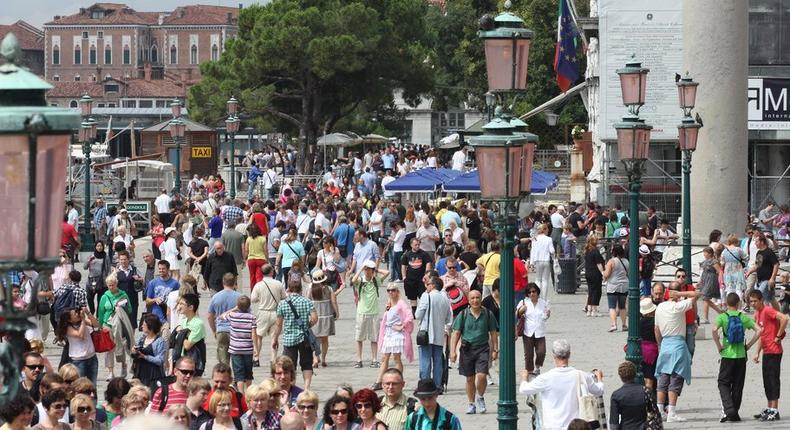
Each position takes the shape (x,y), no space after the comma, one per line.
(256,248)
(490,262)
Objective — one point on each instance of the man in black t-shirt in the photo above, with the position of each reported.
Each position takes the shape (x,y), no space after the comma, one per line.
(414,263)
(448,243)
(578,225)
(766,266)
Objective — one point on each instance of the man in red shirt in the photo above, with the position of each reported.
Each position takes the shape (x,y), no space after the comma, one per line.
(520,280)
(175,393)
(69,240)
(773,324)
(220,380)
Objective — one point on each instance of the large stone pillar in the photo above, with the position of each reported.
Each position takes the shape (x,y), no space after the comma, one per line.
(715,53)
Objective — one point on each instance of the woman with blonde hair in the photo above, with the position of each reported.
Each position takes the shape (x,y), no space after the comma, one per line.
(278,398)
(260,415)
(111,302)
(395,332)
(69,373)
(219,406)
(593,273)
(84,410)
(131,404)
(180,415)
(307,405)
(37,345)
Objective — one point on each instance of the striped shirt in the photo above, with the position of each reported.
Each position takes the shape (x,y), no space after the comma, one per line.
(242,324)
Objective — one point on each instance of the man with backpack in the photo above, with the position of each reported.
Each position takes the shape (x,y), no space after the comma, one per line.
(431,416)
(174,391)
(732,348)
(476,328)
(70,295)
(366,286)
(395,406)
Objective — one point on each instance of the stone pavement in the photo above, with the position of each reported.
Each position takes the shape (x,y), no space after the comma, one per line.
(592,347)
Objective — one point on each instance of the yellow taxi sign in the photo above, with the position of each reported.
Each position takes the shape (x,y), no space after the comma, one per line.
(201,152)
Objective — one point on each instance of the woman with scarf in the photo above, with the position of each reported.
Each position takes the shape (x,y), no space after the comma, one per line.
(98,266)
(111,302)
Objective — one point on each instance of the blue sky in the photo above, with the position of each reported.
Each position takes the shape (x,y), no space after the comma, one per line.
(37,12)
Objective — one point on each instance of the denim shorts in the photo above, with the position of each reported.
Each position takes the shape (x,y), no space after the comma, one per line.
(616,300)
(242,367)
(768,293)
(644,287)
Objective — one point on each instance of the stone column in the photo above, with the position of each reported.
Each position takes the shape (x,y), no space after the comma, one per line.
(578,182)
(715,53)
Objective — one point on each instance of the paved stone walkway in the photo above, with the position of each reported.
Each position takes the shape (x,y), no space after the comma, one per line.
(592,347)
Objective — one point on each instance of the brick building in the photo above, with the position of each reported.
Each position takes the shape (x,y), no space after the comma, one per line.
(112,39)
(31,42)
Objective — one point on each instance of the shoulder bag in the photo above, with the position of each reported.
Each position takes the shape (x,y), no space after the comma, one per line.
(588,403)
(308,334)
(102,341)
(422,336)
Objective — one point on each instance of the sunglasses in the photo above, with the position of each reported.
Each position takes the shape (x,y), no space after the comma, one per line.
(305,407)
(338,411)
(187,372)
(84,409)
(392,290)
(362,405)
(451,268)
(35,366)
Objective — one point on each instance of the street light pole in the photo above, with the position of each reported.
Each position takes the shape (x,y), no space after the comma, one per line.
(87,135)
(688,132)
(177,135)
(634,350)
(507,406)
(232,126)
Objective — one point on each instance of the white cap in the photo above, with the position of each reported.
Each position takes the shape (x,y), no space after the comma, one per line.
(369,264)
(644,250)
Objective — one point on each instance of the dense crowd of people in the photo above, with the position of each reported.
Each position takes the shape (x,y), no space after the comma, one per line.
(437,264)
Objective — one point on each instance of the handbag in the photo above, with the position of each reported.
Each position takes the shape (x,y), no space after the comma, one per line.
(308,334)
(520,324)
(102,341)
(422,335)
(43,307)
(588,403)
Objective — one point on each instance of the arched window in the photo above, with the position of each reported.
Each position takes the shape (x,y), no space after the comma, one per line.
(73,104)
(92,55)
(193,55)
(173,54)
(127,55)
(77,55)
(214,53)
(56,54)
(154,54)
(107,54)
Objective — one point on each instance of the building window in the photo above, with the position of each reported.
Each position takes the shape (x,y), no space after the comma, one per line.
(56,78)
(193,55)
(107,54)
(146,104)
(111,88)
(56,54)
(101,105)
(769,32)
(53,105)
(129,103)
(92,55)
(154,54)
(110,105)
(73,104)
(161,103)
(100,35)
(76,78)
(214,53)
(97,14)
(173,55)
(77,55)
(127,55)
(84,34)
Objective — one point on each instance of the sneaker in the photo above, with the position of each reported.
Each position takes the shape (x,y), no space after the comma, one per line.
(481,405)
(490,380)
(612,329)
(358,365)
(770,416)
(375,364)
(471,409)
(675,418)
(663,416)
(762,413)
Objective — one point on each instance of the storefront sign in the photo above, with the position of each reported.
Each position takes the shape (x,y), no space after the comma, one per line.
(201,152)
(133,207)
(768,104)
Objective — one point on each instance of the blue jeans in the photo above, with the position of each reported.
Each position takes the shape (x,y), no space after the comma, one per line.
(431,358)
(251,189)
(395,266)
(88,368)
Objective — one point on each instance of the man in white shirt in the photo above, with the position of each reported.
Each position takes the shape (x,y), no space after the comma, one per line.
(356,164)
(162,204)
(388,177)
(427,234)
(209,205)
(73,215)
(322,222)
(557,222)
(269,178)
(559,387)
(459,159)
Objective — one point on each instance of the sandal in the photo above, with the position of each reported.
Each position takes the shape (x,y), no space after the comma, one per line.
(612,328)
(375,364)
(358,365)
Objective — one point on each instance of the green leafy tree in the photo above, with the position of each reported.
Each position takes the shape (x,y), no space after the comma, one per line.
(304,65)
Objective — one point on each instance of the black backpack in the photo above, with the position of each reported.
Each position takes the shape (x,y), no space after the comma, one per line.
(67,300)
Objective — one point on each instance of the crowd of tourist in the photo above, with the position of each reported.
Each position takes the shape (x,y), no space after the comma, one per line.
(437,264)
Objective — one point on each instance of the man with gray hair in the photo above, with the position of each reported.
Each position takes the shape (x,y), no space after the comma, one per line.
(558,387)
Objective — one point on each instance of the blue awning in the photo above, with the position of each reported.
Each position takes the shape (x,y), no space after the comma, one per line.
(469,182)
(425,180)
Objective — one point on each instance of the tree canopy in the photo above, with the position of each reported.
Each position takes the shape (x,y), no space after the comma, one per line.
(304,65)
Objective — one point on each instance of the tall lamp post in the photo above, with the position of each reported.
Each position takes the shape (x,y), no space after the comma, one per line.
(506,43)
(232,126)
(633,143)
(688,131)
(87,133)
(177,129)
(34,151)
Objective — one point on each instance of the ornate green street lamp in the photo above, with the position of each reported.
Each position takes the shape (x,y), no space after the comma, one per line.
(506,42)
(87,134)
(232,125)
(633,144)
(34,150)
(177,131)
(688,131)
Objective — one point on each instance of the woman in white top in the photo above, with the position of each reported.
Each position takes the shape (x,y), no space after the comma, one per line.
(376,223)
(170,252)
(326,260)
(540,257)
(535,312)
(615,274)
(76,326)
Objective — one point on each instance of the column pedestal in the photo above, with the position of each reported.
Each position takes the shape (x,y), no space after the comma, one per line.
(578,182)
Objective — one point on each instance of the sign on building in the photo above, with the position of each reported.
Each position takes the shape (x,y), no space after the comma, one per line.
(768,104)
(201,152)
(653,31)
